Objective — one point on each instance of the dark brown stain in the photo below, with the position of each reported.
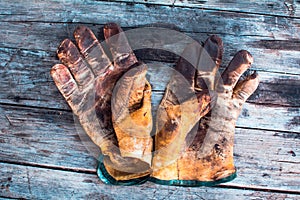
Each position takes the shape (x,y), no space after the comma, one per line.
(218,149)
(22,135)
(156,55)
(292,44)
(288,135)
(266,175)
(208,159)
(292,153)
(136,106)
(170,127)
(87,181)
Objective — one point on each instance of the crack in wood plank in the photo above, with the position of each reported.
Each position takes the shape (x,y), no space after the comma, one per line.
(291,7)
(28,181)
(10,123)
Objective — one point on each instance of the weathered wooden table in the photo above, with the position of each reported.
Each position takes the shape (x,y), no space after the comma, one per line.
(41,154)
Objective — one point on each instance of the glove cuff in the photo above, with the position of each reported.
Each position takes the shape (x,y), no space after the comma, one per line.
(106,178)
(193,183)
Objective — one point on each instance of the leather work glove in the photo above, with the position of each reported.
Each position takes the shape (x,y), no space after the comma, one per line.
(206,151)
(112,100)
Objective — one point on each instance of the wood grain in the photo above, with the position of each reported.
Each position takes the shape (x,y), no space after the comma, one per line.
(33,183)
(42,39)
(45,138)
(30,84)
(135,15)
(275,7)
(44,154)
(280,8)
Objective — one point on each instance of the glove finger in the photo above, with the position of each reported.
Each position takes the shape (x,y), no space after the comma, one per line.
(187,63)
(92,50)
(69,55)
(210,60)
(244,89)
(238,65)
(128,91)
(181,84)
(131,114)
(117,42)
(64,82)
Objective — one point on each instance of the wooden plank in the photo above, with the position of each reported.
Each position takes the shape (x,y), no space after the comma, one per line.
(282,52)
(269,7)
(271,118)
(35,183)
(281,8)
(271,154)
(274,88)
(25,80)
(33,86)
(266,160)
(41,137)
(135,15)
(256,116)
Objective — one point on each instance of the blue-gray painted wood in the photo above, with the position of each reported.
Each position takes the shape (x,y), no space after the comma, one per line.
(37,183)
(43,157)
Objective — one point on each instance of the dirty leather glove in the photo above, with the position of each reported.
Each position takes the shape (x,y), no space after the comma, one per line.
(181,108)
(207,158)
(111,99)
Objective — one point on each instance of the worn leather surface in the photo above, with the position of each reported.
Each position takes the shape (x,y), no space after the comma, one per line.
(195,120)
(207,149)
(87,78)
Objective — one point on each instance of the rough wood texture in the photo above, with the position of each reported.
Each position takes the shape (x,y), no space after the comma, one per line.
(281,8)
(33,183)
(283,52)
(49,138)
(33,86)
(184,19)
(278,7)
(42,156)
(26,74)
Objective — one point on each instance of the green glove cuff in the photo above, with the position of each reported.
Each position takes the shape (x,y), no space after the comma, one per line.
(191,183)
(106,178)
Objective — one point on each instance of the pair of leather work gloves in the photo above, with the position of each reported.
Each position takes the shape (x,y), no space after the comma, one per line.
(110,95)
